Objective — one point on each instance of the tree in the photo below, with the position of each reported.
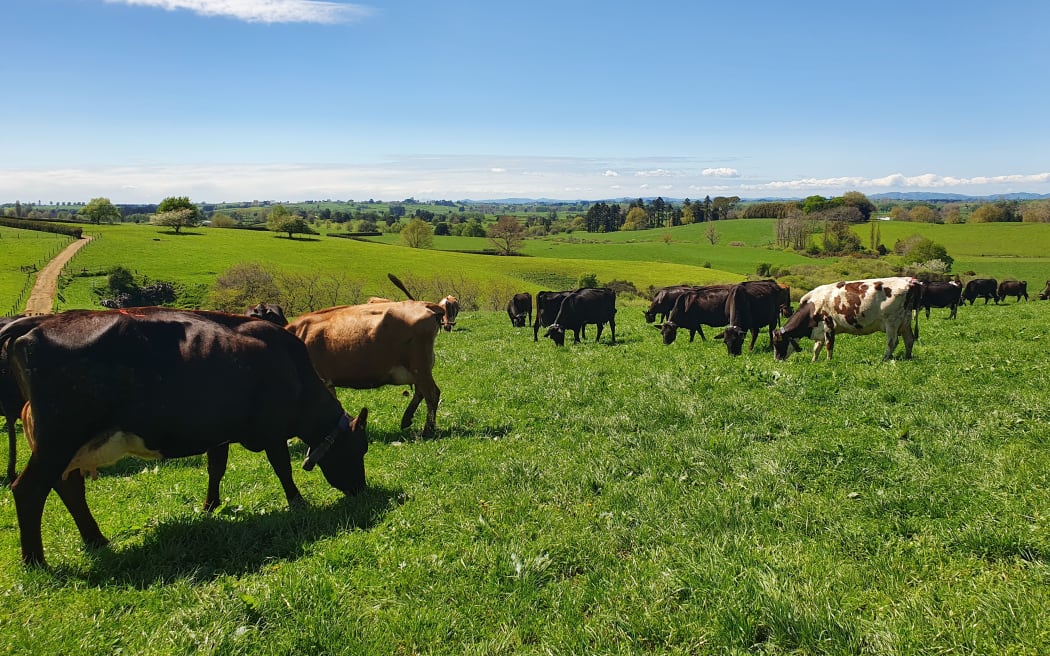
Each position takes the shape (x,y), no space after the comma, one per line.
(712,234)
(100,210)
(177,212)
(174,219)
(507,235)
(637,219)
(924,214)
(418,234)
(281,220)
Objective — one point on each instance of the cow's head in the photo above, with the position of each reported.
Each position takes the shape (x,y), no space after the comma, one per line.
(557,333)
(650,316)
(668,331)
(341,454)
(784,346)
(733,336)
(786,310)
(517,320)
(270,312)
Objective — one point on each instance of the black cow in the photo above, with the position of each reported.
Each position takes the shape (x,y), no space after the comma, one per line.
(986,288)
(700,306)
(581,307)
(941,294)
(752,306)
(1045,294)
(271,312)
(518,308)
(1015,288)
(664,300)
(11,403)
(547,306)
(155,382)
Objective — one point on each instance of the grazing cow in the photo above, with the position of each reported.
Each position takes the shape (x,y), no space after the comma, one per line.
(11,403)
(1015,288)
(376,344)
(271,312)
(752,306)
(941,294)
(450,309)
(986,288)
(581,307)
(699,306)
(518,308)
(1045,294)
(856,307)
(547,306)
(155,382)
(664,300)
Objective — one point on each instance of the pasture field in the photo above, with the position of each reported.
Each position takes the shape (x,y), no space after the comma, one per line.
(602,499)
(20,248)
(199,256)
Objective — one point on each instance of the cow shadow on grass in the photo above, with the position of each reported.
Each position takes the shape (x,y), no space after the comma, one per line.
(415,434)
(230,542)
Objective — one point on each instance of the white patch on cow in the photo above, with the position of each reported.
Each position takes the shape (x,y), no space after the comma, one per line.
(106,451)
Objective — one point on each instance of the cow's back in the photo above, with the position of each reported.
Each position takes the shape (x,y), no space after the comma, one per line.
(178,379)
(358,346)
(861,307)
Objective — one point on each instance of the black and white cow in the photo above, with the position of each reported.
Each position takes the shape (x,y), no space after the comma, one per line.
(855,307)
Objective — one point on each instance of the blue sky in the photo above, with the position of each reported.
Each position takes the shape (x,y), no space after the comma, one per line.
(225,100)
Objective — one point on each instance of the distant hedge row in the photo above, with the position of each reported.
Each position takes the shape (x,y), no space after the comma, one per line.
(43,226)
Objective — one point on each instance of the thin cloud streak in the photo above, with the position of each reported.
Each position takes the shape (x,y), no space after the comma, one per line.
(449,179)
(266,11)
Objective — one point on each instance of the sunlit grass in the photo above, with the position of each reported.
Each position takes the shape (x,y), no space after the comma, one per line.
(603,499)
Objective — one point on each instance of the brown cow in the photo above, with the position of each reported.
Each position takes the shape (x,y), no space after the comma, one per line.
(376,344)
(1015,288)
(450,308)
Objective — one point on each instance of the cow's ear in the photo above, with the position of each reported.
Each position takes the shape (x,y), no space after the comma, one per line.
(360,421)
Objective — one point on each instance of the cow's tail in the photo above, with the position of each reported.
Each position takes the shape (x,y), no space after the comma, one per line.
(397,283)
(914,300)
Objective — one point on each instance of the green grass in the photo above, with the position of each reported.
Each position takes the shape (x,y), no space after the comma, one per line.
(198,257)
(23,248)
(602,499)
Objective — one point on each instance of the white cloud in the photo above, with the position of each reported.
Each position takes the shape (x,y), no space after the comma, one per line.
(498,170)
(611,174)
(722,172)
(264,11)
(449,178)
(901,181)
(655,173)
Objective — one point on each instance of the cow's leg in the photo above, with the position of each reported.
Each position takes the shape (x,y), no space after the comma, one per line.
(425,389)
(951,315)
(599,337)
(11,451)
(30,491)
(909,339)
(754,338)
(692,334)
(217,458)
(817,346)
(576,335)
(612,330)
(71,491)
(281,461)
(927,311)
(700,330)
(891,342)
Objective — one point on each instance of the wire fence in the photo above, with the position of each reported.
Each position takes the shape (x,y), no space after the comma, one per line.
(31,271)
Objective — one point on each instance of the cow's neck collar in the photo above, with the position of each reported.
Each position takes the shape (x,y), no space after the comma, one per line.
(315,453)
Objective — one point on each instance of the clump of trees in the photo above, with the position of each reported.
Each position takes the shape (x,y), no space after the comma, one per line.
(122,290)
(248,283)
